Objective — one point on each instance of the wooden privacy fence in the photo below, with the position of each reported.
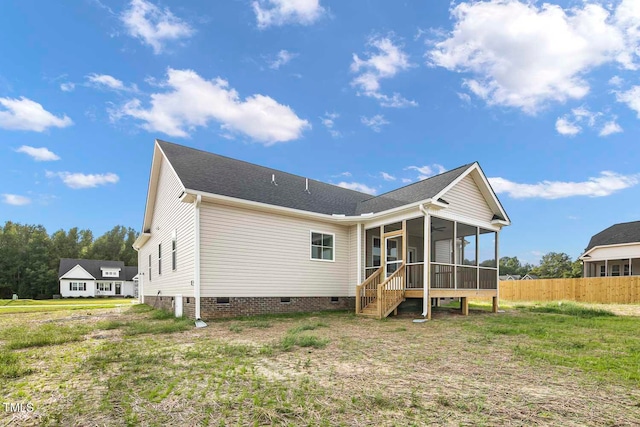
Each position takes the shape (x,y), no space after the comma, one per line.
(621,290)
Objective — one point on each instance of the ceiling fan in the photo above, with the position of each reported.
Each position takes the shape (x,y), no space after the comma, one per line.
(438,228)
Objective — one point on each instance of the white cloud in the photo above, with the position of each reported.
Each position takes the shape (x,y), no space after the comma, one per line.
(526,55)
(154,26)
(363,188)
(80,180)
(386,63)
(282,58)
(567,128)
(346,174)
(387,177)
(67,87)
(616,81)
(605,184)
(406,180)
(328,121)
(105,81)
(571,124)
(39,154)
(631,98)
(25,114)
(191,101)
(281,12)
(427,171)
(15,200)
(610,128)
(375,123)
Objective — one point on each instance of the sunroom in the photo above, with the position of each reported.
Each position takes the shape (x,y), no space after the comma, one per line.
(462,263)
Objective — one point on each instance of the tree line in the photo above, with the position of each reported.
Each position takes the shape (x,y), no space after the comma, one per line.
(554,265)
(30,257)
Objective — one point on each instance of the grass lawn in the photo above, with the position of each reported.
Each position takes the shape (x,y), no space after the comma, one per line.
(537,364)
(31,306)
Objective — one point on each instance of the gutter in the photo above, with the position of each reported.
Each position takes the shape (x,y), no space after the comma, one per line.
(196,284)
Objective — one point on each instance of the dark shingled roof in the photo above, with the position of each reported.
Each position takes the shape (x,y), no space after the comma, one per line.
(626,232)
(211,173)
(93,267)
(130,273)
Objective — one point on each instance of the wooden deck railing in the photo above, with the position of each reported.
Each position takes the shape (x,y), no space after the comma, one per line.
(391,292)
(366,292)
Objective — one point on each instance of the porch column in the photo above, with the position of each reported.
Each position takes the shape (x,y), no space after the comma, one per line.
(359,253)
(629,267)
(426,268)
(606,268)
(585,269)
(496,299)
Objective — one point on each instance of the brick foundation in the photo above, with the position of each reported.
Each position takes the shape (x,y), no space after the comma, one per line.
(210,308)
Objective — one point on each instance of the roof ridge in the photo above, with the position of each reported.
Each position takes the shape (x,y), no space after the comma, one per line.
(260,166)
(422,180)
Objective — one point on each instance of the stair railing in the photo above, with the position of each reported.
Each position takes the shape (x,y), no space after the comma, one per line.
(366,292)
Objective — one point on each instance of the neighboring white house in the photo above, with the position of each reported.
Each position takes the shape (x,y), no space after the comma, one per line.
(222,237)
(96,278)
(614,251)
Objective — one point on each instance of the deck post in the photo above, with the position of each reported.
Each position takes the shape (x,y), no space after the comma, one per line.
(464,306)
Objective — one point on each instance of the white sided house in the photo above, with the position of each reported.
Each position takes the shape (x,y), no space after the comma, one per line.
(614,251)
(222,237)
(97,278)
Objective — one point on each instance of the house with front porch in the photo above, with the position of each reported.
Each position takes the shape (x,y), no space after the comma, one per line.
(222,237)
(614,251)
(96,278)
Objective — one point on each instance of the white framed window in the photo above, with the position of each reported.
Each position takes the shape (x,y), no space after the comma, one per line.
(174,250)
(77,286)
(322,246)
(104,286)
(603,270)
(108,273)
(159,259)
(615,270)
(626,270)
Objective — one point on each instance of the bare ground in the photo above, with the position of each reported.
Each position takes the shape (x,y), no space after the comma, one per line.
(392,372)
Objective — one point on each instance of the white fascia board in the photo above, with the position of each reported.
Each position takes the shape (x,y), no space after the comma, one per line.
(64,276)
(487,190)
(154,176)
(616,245)
(346,220)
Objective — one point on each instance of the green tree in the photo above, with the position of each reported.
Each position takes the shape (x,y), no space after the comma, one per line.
(556,265)
(116,244)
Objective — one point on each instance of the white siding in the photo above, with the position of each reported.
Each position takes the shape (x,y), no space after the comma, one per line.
(170,214)
(78,272)
(466,200)
(248,253)
(615,252)
(66,293)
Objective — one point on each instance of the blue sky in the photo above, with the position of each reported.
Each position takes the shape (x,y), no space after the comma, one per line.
(370,95)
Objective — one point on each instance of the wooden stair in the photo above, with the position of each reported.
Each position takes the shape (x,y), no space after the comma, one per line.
(371,310)
(378,298)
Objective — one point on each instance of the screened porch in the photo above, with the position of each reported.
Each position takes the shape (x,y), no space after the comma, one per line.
(461,256)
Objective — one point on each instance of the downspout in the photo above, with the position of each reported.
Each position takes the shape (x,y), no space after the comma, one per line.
(196,276)
(140,278)
(426,301)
